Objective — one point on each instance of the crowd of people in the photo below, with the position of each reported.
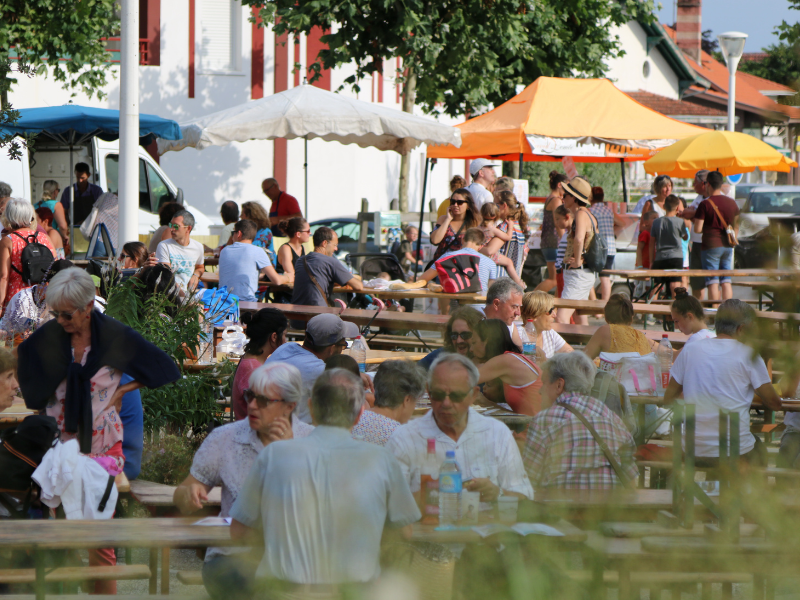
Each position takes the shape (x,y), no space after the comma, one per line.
(320,457)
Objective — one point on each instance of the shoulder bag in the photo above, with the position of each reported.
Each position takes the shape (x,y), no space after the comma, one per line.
(626,481)
(446,248)
(732,241)
(315,282)
(596,254)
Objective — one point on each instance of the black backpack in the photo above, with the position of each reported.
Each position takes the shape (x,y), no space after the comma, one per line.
(36,259)
(596,254)
(22,448)
(459,273)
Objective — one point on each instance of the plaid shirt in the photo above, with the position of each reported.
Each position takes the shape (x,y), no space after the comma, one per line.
(605,223)
(560,451)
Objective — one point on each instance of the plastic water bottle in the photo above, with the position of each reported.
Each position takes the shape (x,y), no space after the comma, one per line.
(359,353)
(664,354)
(449,490)
(529,349)
(527,346)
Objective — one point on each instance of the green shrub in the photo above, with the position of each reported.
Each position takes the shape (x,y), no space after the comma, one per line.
(169,459)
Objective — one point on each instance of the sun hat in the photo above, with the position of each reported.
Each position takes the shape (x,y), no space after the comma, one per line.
(580,189)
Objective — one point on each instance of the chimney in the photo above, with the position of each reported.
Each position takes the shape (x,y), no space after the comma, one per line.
(689,28)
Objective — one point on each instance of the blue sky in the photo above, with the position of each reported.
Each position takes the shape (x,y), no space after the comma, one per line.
(757,18)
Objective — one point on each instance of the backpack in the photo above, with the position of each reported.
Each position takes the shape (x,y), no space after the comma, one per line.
(458,273)
(596,254)
(35,260)
(22,448)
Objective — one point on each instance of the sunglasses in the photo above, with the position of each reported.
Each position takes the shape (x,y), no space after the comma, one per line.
(305,231)
(175,226)
(66,315)
(551,311)
(124,256)
(262,401)
(459,202)
(464,335)
(455,397)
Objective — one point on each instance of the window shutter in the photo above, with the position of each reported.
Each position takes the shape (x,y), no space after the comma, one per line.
(217,35)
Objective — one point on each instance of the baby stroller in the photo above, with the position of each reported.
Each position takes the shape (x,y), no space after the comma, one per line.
(371,266)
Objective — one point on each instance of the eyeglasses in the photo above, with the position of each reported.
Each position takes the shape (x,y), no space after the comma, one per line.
(459,202)
(340,344)
(268,188)
(464,335)
(66,315)
(455,397)
(262,401)
(175,226)
(124,256)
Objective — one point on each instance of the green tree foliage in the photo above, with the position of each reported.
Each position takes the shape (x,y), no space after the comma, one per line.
(37,35)
(464,54)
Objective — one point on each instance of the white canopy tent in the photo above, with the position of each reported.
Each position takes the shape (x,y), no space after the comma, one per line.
(309,112)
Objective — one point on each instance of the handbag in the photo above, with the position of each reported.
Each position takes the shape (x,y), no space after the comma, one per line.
(626,481)
(732,241)
(459,273)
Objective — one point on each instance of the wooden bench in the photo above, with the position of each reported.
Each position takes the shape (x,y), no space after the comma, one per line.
(157,497)
(190,577)
(658,578)
(77,574)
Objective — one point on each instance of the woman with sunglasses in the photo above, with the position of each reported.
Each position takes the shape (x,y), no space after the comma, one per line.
(266,330)
(72,368)
(501,359)
(225,459)
(450,229)
(134,255)
(457,334)
(298,231)
(540,308)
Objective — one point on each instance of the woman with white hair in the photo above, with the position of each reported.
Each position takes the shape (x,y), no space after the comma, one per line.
(561,450)
(225,457)
(72,367)
(19,220)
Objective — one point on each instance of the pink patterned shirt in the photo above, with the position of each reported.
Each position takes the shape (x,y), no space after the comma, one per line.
(374,428)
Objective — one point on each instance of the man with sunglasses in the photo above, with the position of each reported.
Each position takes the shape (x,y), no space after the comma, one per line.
(486,452)
(182,254)
(326,335)
(483,178)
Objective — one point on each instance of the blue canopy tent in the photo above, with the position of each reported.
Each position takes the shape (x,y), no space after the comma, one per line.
(72,125)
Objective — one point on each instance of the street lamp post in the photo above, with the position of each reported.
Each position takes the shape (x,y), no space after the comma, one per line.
(732,45)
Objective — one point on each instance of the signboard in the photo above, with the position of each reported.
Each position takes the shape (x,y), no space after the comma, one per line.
(591,147)
(569,167)
(521,190)
(389,230)
(735,179)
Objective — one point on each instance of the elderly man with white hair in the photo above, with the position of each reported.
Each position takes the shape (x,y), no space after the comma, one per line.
(226,457)
(319,505)
(723,373)
(485,450)
(561,450)
(19,219)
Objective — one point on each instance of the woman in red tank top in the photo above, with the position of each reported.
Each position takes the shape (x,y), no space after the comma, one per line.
(502,360)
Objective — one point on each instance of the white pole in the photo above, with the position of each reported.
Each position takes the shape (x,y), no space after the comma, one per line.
(129,125)
(732,94)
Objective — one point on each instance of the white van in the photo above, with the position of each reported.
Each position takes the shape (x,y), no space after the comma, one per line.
(51,161)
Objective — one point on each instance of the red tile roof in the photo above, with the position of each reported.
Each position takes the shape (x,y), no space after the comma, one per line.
(673,108)
(748,88)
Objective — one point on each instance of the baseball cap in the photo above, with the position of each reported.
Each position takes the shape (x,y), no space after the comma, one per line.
(478,163)
(326,330)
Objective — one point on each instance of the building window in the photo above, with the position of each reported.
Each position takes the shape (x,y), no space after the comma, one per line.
(219,36)
(646,69)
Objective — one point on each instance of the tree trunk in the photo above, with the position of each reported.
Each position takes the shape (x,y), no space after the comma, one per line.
(409,98)
(4,85)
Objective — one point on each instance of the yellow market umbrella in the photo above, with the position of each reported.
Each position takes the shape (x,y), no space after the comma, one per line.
(728,152)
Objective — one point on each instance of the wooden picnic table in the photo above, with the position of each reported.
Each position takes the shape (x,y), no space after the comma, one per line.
(650,273)
(428,533)
(61,534)
(606,505)
(14,413)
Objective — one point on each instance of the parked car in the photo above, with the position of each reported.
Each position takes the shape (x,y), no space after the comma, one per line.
(769,216)
(347,229)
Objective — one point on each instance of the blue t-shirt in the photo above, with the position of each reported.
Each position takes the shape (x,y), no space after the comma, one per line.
(239,266)
(132,418)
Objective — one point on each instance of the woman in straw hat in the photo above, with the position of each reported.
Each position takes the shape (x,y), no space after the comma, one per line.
(578,280)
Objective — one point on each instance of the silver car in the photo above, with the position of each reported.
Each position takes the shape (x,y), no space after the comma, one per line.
(770,212)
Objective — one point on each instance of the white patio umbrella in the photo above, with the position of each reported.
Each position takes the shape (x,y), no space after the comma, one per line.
(310,112)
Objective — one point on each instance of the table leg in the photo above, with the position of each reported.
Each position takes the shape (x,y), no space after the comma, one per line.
(153,571)
(705,591)
(727,591)
(39,559)
(758,586)
(165,571)
(769,585)
(624,583)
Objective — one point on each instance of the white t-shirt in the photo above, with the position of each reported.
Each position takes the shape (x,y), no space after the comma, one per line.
(719,373)
(552,342)
(697,238)
(181,259)
(703,334)
(480,195)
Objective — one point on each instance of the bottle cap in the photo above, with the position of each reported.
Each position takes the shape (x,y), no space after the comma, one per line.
(450,454)
(664,335)
(530,320)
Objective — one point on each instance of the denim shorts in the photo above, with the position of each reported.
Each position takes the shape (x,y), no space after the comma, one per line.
(550,254)
(717,258)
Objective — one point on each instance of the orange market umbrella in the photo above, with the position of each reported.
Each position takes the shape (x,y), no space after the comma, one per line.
(728,152)
(587,119)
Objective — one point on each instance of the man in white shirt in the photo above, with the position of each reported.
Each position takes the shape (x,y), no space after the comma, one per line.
(319,504)
(182,254)
(695,260)
(721,373)
(485,450)
(483,178)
